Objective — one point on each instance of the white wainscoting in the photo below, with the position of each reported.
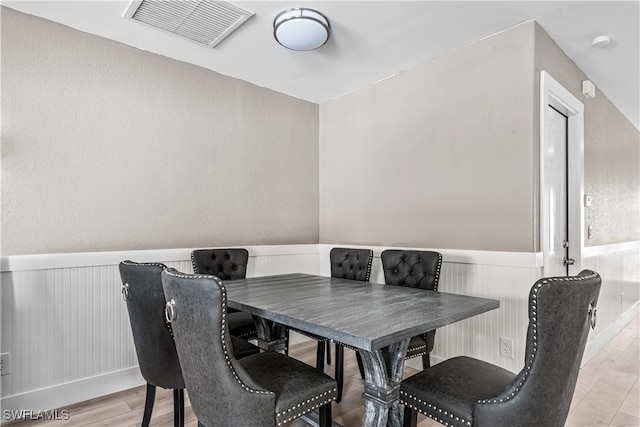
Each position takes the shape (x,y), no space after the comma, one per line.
(67,330)
(506,276)
(619,301)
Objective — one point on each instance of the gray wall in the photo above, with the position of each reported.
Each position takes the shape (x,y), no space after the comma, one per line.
(106,147)
(446,155)
(439,156)
(611,151)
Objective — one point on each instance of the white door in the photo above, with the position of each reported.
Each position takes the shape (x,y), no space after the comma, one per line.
(556,167)
(561,179)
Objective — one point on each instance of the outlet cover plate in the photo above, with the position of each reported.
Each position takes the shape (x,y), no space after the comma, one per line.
(506,347)
(5,363)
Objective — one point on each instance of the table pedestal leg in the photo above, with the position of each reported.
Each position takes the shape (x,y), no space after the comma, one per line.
(382,377)
(271,336)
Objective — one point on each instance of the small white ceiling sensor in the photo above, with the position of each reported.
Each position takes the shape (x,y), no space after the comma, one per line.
(601,41)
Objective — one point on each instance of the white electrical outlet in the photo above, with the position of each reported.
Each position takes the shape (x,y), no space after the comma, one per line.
(5,363)
(506,347)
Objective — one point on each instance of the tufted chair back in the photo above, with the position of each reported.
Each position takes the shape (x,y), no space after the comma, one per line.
(220,390)
(561,310)
(415,269)
(227,264)
(352,264)
(152,336)
(155,348)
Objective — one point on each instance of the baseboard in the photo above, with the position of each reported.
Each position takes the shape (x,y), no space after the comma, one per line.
(598,342)
(73,392)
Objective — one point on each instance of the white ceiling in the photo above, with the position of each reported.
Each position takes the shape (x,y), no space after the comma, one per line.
(371,40)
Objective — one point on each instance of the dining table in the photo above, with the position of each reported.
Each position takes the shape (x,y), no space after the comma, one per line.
(368,317)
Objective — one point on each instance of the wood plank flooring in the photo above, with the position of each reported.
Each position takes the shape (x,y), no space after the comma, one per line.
(607,394)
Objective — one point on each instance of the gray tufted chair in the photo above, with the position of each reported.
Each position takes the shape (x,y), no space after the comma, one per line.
(346,263)
(465,392)
(416,269)
(152,335)
(156,351)
(265,389)
(227,264)
(352,264)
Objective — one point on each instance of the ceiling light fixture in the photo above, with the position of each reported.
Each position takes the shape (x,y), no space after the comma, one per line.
(301,29)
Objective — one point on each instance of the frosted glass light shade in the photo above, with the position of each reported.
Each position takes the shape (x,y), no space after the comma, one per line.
(301,29)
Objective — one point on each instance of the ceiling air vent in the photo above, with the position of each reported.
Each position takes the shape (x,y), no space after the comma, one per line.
(204,21)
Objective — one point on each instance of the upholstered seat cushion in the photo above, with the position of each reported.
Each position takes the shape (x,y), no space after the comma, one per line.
(453,387)
(299,388)
(241,325)
(421,344)
(243,348)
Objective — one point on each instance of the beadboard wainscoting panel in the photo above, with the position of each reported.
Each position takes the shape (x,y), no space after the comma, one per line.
(479,336)
(619,301)
(63,325)
(67,328)
(505,276)
(66,325)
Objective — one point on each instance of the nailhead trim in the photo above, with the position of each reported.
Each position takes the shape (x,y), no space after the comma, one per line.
(193,263)
(369,266)
(531,357)
(435,285)
(223,326)
(534,328)
(298,407)
(146,264)
(446,419)
(246,335)
(150,264)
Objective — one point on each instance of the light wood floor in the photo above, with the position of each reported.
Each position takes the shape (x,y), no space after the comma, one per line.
(607,393)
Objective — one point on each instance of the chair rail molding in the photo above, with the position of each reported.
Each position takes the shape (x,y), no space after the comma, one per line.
(67,328)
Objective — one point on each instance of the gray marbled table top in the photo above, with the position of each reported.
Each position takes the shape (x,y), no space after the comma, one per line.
(362,315)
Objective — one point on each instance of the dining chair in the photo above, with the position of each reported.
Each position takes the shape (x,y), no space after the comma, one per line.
(152,335)
(416,269)
(346,263)
(465,392)
(227,264)
(352,264)
(156,351)
(265,389)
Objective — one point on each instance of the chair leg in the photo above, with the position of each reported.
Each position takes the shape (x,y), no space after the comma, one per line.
(320,356)
(426,361)
(148,405)
(360,365)
(325,416)
(410,417)
(339,370)
(178,407)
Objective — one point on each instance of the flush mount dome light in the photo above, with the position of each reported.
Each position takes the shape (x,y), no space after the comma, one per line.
(301,29)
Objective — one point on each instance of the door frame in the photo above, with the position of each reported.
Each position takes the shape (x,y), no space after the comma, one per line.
(553,93)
